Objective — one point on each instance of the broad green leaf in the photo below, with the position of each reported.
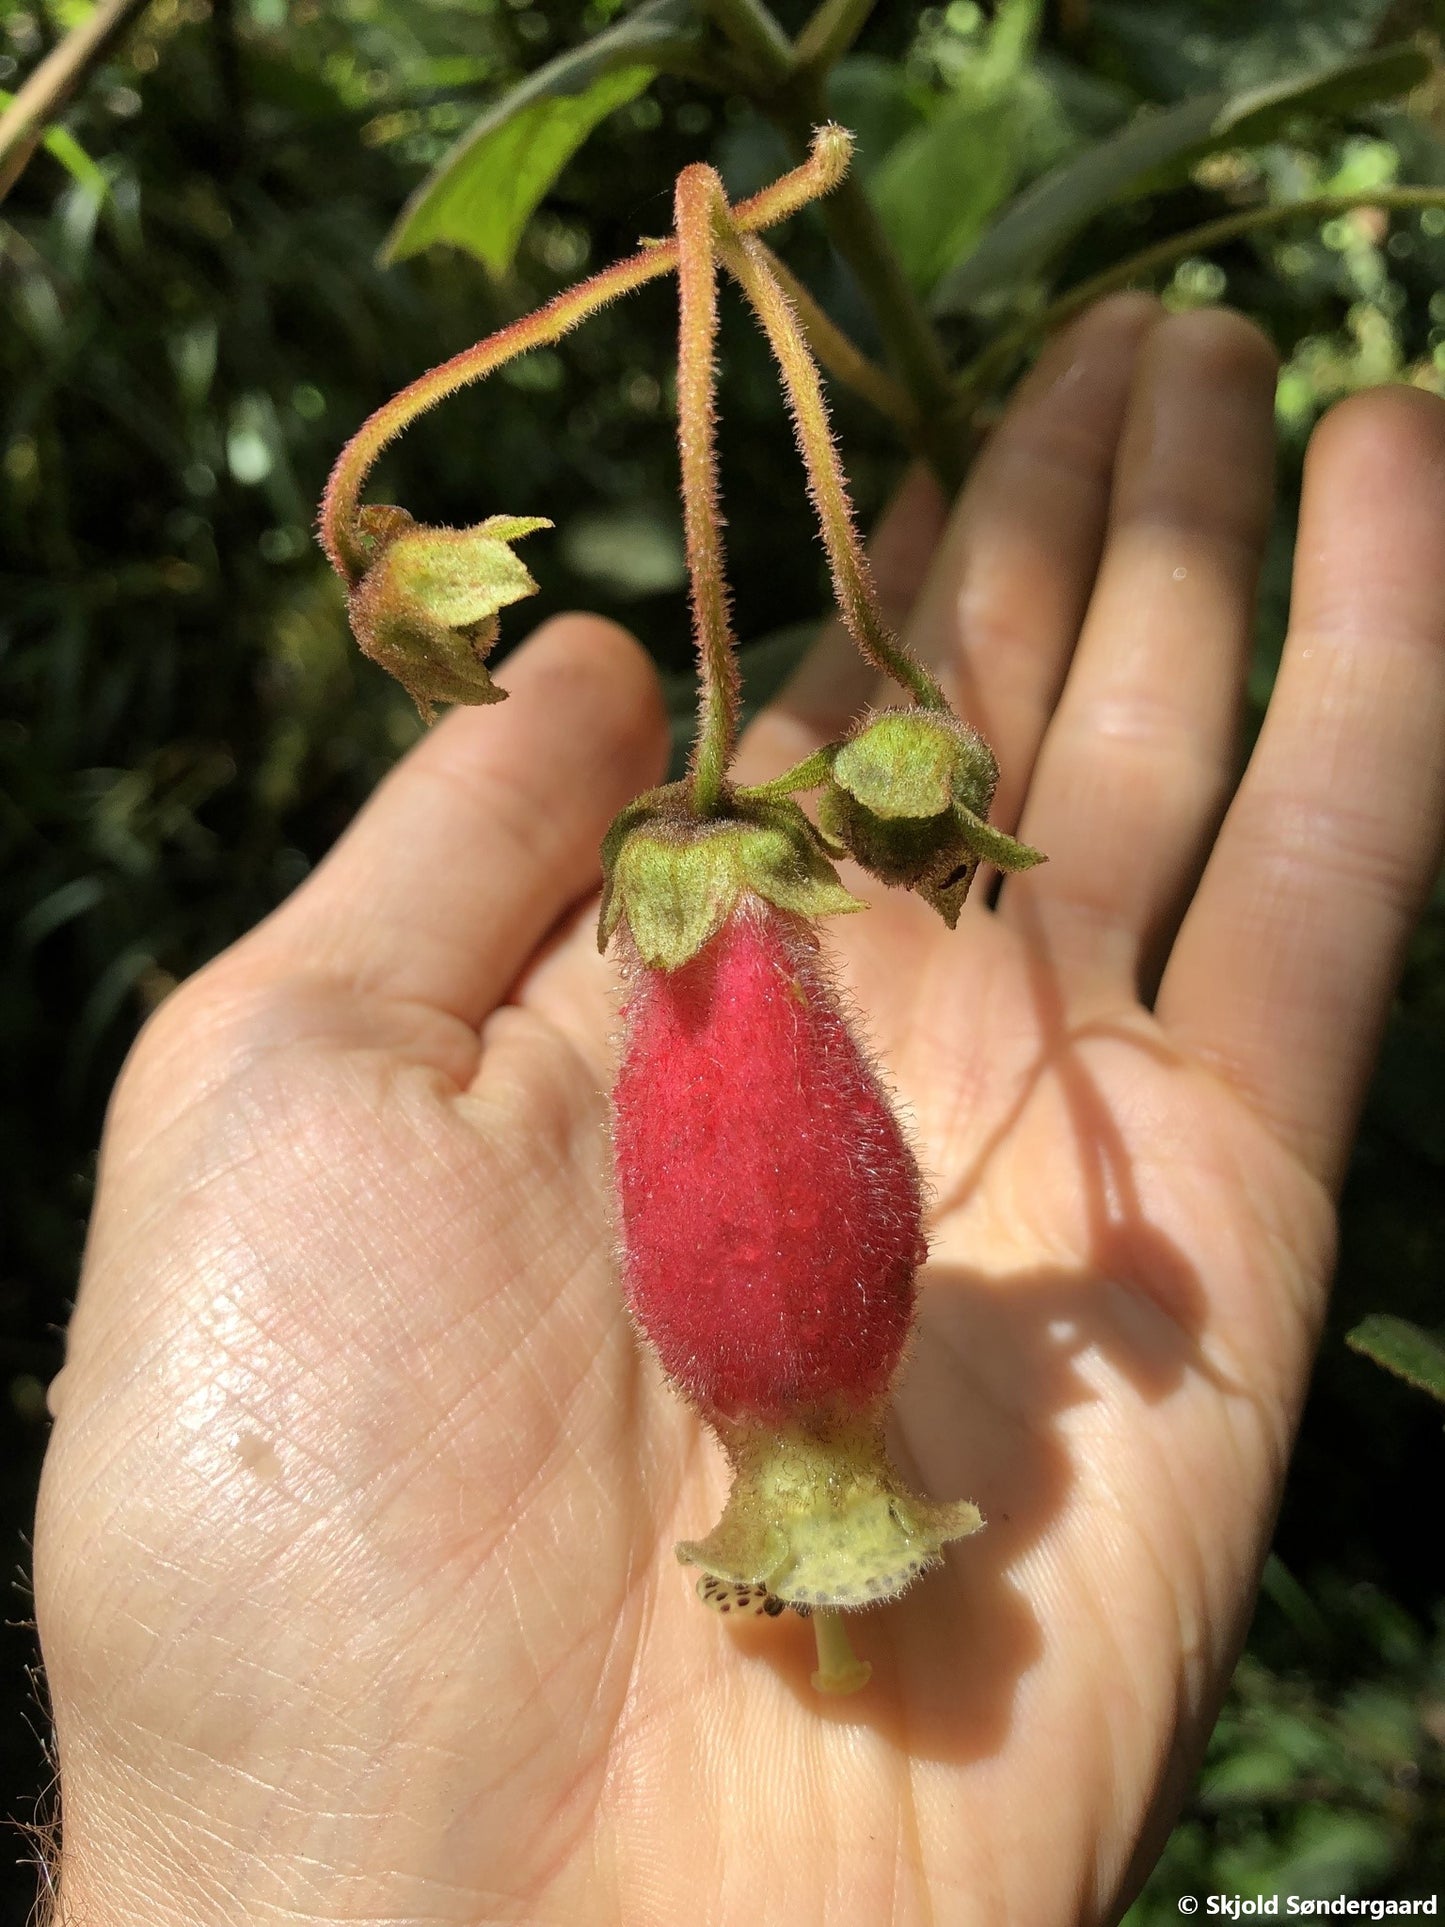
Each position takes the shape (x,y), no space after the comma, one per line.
(877,102)
(1176,48)
(1050,213)
(481,195)
(1402,1348)
(938,186)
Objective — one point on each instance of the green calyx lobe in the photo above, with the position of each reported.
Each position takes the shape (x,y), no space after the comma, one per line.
(426,607)
(908,797)
(674,878)
(819,1517)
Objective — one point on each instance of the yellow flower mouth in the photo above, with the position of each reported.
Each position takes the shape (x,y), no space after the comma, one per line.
(818,1517)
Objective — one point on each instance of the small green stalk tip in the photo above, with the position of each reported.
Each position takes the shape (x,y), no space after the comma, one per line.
(840,1670)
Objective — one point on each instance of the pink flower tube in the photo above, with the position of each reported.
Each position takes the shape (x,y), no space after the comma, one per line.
(772,1229)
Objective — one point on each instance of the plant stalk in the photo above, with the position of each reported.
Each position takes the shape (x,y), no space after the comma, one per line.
(994,362)
(830,31)
(698,196)
(843,358)
(827,159)
(547,324)
(853,586)
(46,90)
(839,1668)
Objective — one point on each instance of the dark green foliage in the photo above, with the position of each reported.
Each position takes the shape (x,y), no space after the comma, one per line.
(1404,1349)
(185,726)
(1326,1771)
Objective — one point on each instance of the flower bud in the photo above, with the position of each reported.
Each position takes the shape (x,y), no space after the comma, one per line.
(426,607)
(908,797)
(771,1218)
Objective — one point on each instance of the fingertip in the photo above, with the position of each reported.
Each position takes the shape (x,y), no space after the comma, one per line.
(1379,429)
(1118,316)
(1369,559)
(1197,451)
(1223,342)
(581,669)
(1110,330)
(599,658)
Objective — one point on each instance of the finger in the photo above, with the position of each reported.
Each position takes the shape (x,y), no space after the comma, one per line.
(489,829)
(996,609)
(1139,757)
(1284,966)
(1000,613)
(833,682)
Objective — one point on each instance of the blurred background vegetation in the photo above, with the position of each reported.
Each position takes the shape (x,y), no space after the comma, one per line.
(192,320)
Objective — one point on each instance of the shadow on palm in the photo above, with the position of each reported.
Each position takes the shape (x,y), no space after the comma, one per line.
(994,1370)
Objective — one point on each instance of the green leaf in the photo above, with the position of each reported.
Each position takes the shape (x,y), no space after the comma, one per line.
(1047,216)
(1404,1349)
(65,148)
(879,105)
(481,195)
(1259,112)
(938,185)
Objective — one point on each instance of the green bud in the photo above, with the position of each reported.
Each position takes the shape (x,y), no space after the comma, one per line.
(675,878)
(426,608)
(909,797)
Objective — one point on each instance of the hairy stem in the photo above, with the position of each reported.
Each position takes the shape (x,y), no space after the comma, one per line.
(343,488)
(698,197)
(843,358)
(853,587)
(827,160)
(829,150)
(996,359)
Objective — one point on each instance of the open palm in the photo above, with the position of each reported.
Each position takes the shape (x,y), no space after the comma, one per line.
(354,1553)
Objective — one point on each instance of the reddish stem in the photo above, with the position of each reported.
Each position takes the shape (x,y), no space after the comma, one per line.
(748,261)
(824,168)
(699,198)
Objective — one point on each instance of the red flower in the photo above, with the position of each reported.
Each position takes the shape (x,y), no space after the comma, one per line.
(771,1210)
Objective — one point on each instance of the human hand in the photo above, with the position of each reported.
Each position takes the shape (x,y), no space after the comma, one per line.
(353,1561)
